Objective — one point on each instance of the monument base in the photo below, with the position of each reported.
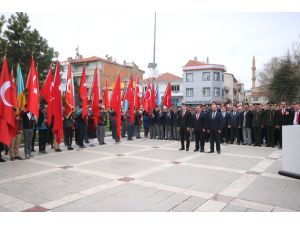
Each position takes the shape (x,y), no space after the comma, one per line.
(289,174)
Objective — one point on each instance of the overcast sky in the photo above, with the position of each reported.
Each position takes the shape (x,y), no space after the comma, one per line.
(226,38)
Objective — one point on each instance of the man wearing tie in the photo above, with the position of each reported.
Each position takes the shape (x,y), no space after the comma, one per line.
(184,121)
(199,125)
(296,120)
(214,127)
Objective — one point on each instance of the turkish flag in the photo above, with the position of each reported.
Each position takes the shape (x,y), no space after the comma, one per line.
(116,104)
(70,102)
(7,112)
(130,99)
(57,106)
(47,92)
(153,95)
(33,90)
(105,99)
(137,100)
(95,98)
(148,99)
(167,101)
(83,93)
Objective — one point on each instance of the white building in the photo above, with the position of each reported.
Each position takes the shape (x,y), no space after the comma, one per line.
(162,81)
(234,90)
(203,83)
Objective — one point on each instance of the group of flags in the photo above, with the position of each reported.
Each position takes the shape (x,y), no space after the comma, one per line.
(13,100)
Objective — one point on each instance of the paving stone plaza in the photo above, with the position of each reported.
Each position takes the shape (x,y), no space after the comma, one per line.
(149,175)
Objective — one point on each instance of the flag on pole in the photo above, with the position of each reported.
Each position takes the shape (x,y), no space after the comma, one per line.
(47,92)
(20,94)
(137,99)
(153,93)
(69,98)
(57,106)
(130,99)
(167,101)
(158,96)
(95,97)
(148,99)
(105,99)
(7,113)
(83,93)
(32,85)
(116,104)
(14,91)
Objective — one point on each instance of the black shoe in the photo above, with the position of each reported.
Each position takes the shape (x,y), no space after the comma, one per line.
(211,151)
(103,143)
(19,158)
(196,150)
(43,152)
(187,149)
(58,150)
(219,152)
(181,149)
(70,148)
(201,151)
(100,143)
(2,160)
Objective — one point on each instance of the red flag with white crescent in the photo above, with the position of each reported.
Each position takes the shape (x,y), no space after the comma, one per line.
(69,99)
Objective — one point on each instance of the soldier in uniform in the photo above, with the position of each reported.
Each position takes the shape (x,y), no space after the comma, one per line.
(269,121)
(152,127)
(168,125)
(129,125)
(159,117)
(137,123)
(257,125)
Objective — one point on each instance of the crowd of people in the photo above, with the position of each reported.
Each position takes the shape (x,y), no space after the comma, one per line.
(246,124)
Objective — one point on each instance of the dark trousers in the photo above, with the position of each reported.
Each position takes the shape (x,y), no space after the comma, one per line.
(257,136)
(42,139)
(199,139)
(270,136)
(68,136)
(228,134)
(114,132)
(79,134)
(235,134)
(215,137)
(280,136)
(224,135)
(129,130)
(184,136)
(146,131)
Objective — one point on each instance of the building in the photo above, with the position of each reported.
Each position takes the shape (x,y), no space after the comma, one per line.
(257,94)
(203,83)
(234,90)
(162,81)
(108,70)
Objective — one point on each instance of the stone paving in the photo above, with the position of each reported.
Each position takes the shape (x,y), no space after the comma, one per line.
(149,175)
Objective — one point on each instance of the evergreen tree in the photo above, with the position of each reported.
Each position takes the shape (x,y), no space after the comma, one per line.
(285,83)
(21,42)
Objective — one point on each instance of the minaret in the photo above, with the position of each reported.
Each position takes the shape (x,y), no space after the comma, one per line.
(253,72)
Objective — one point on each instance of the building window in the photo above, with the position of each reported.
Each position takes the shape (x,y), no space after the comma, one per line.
(217,92)
(255,99)
(189,92)
(222,92)
(189,77)
(216,76)
(206,76)
(175,88)
(222,77)
(206,92)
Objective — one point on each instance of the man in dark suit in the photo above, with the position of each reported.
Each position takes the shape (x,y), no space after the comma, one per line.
(184,121)
(283,116)
(214,127)
(224,125)
(235,125)
(199,125)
